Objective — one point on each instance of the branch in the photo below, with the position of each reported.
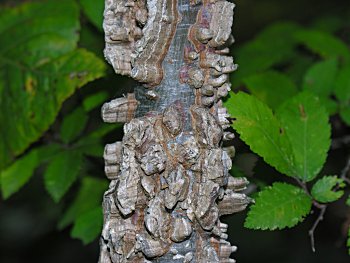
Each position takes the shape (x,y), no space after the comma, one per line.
(303,185)
(318,220)
(323,207)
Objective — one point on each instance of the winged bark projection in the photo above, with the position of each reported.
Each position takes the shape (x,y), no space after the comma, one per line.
(137,35)
(169,175)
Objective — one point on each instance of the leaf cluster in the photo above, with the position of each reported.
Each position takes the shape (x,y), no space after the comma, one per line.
(43,63)
(297,79)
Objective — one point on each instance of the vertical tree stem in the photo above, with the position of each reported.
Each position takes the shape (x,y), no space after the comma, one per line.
(169,175)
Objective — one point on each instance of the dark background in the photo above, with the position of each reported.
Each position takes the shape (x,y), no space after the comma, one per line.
(28,219)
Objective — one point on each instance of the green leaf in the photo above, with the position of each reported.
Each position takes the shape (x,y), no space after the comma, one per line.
(95,100)
(324,44)
(89,196)
(348,201)
(73,124)
(330,105)
(260,129)
(328,23)
(342,92)
(345,114)
(271,87)
(305,122)
(40,68)
(24,32)
(94,11)
(295,141)
(18,174)
(320,78)
(342,85)
(272,46)
(105,129)
(236,172)
(323,191)
(61,173)
(88,226)
(90,40)
(279,206)
(92,144)
(297,67)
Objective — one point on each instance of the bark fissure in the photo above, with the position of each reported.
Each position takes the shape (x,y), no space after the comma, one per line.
(169,175)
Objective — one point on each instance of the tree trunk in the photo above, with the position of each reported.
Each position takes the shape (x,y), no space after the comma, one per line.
(169,175)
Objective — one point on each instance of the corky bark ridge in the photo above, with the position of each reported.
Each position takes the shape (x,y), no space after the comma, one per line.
(169,175)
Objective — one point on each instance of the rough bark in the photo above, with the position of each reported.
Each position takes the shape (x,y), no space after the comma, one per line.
(169,175)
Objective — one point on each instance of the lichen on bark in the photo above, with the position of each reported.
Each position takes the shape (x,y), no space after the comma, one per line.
(169,175)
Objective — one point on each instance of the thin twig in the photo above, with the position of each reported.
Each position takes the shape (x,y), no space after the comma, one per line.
(312,230)
(323,207)
(302,185)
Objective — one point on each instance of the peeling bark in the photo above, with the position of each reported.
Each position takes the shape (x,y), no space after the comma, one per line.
(169,175)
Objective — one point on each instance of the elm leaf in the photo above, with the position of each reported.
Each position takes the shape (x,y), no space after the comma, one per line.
(305,122)
(94,100)
(40,68)
(61,173)
(88,226)
(15,176)
(261,130)
(273,46)
(271,87)
(73,124)
(320,77)
(277,207)
(323,43)
(89,196)
(94,11)
(323,191)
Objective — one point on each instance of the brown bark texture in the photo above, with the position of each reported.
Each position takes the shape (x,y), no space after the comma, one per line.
(169,175)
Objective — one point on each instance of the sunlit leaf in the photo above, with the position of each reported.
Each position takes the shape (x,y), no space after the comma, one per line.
(305,122)
(278,206)
(260,129)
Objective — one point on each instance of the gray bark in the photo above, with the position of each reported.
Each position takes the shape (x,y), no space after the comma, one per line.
(169,175)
